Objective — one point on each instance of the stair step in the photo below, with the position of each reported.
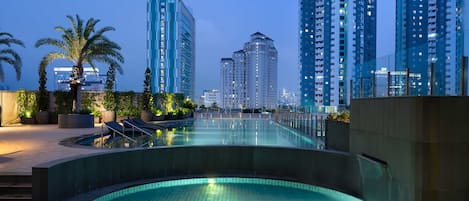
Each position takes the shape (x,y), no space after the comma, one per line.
(16,179)
(11,190)
(15,197)
(16,185)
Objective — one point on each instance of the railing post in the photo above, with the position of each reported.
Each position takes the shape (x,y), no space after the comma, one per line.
(407,79)
(389,83)
(351,91)
(432,70)
(463,79)
(361,87)
(374,84)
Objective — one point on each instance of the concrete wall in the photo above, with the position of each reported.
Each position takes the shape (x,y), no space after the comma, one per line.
(66,178)
(337,135)
(424,142)
(9,108)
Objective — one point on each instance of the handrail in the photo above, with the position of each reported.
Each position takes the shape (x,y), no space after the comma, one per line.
(138,128)
(120,133)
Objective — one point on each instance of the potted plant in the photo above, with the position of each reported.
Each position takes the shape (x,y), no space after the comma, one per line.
(42,116)
(146,98)
(109,100)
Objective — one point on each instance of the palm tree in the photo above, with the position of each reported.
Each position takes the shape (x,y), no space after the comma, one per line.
(82,44)
(8,55)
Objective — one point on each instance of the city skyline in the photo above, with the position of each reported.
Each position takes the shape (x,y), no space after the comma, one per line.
(219,31)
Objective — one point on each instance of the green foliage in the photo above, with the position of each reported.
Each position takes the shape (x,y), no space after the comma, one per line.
(26,102)
(146,98)
(168,100)
(180,112)
(125,105)
(156,111)
(341,116)
(189,104)
(42,94)
(88,102)
(96,113)
(179,99)
(109,102)
(9,55)
(63,100)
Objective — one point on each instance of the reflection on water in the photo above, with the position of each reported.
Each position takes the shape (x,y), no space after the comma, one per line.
(214,132)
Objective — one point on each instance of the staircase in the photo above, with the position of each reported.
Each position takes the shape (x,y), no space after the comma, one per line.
(15,187)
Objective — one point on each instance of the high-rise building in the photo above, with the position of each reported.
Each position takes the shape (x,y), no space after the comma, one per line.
(429,38)
(171,47)
(211,98)
(249,78)
(362,48)
(337,44)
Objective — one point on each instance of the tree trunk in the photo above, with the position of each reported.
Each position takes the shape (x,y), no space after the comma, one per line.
(75,87)
(78,99)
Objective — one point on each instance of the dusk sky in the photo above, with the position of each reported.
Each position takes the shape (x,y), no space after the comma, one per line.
(222,27)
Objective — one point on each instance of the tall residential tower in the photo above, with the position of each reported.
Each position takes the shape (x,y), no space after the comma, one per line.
(171,47)
(249,79)
(337,44)
(429,36)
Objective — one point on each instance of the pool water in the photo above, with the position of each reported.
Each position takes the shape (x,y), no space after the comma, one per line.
(226,189)
(212,132)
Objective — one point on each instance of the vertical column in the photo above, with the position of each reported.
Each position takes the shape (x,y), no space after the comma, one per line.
(463,78)
(407,79)
(389,84)
(432,70)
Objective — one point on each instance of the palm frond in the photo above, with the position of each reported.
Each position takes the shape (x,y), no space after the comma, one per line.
(1,72)
(107,60)
(49,58)
(52,42)
(90,27)
(17,61)
(74,24)
(9,41)
(6,34)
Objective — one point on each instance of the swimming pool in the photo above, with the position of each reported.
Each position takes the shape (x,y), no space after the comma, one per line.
(211,132)
(226,189)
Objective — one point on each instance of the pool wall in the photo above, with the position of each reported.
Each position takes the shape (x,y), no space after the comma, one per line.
(67,178)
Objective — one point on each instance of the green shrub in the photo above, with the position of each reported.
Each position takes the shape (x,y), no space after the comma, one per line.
(27,103)
(63,100)
(125,105)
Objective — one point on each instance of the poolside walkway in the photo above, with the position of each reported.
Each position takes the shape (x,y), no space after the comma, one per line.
(23,146)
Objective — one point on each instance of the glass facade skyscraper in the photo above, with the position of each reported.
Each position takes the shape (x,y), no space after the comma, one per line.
(171,47)
(249,79)
(337,44)
(429,38)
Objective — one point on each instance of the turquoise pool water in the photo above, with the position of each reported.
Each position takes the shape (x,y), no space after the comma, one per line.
(212,132)
(226,189)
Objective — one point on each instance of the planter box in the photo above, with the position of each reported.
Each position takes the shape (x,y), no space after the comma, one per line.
(42,117)
(76,121)
(337,135)
(25,120)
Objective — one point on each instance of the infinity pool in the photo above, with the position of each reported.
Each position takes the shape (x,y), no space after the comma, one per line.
(226,189)
(211,132)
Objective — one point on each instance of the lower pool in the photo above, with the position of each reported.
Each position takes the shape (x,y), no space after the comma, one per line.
(226,189)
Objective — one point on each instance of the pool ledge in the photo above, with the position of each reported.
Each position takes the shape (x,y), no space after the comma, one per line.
(80,175)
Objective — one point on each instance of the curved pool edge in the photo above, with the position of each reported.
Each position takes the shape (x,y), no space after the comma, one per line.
(83,174)
(227,180)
